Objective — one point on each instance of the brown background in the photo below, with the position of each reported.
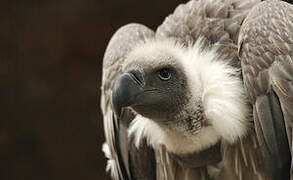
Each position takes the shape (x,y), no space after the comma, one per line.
(50,62)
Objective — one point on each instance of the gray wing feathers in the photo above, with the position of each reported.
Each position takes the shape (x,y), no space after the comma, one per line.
(143,160)
(169,169)
(283,86)
(243,161)
(266,54)
(217,21)
(165,166)
(116,131)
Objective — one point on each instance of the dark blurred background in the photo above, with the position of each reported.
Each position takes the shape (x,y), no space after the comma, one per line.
(51,53)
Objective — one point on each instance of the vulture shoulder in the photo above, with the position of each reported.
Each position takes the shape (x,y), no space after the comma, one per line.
(217,21)
(266,54)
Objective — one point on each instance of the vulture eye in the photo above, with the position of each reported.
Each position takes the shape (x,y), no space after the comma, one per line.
(165,74)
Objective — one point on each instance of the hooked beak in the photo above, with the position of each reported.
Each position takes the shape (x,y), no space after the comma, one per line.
(127,86)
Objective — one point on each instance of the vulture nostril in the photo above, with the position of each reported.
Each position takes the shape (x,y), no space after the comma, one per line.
(137,77)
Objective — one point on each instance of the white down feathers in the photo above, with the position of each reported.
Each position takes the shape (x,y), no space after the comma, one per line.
(220,89)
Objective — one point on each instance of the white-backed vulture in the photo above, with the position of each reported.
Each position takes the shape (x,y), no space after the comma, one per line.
(208,95)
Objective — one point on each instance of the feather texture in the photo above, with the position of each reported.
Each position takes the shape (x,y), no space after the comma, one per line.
(266,53)
(215,83)
(263,32)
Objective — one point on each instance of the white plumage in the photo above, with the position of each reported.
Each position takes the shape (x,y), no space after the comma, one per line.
(214,82)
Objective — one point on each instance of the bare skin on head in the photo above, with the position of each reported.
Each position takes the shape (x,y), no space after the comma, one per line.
(165,84)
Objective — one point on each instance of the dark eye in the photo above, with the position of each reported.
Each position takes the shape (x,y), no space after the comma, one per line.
(165,74)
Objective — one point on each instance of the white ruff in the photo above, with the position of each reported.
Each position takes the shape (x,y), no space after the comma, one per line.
(218,86)
(175,142)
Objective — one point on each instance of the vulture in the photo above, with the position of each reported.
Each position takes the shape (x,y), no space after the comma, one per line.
(208,95)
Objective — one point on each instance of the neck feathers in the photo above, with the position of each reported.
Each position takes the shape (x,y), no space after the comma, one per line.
(219,87)
(216,86)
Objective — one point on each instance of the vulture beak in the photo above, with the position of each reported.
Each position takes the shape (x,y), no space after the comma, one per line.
(127,86)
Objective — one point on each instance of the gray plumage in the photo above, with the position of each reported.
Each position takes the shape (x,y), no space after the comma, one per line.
(266,53)
(256,37)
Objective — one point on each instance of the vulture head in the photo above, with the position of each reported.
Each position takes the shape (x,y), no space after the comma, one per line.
(187,98)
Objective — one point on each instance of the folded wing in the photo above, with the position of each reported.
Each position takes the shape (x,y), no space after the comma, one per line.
(266,54)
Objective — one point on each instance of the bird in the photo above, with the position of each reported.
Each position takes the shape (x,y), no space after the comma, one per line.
(208,95)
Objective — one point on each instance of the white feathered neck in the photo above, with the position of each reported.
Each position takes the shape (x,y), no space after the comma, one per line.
(220,89)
